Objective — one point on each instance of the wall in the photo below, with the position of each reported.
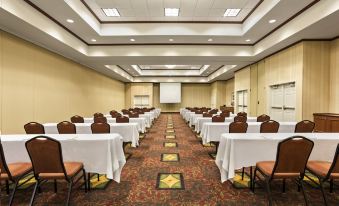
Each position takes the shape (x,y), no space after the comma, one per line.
(38,85)
(133,89)
(242,81)
(334,77)
(192,95)
(229,91)
(218,94)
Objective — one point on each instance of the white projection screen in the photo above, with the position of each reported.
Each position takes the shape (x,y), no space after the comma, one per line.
(170,92)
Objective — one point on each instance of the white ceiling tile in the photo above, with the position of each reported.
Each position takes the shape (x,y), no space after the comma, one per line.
(216,12)
(126,12)
(221,4)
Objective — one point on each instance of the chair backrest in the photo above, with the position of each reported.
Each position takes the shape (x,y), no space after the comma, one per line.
(213,111)
(115,115)
(238,127)
(100,120)
(207,115)
(218,118)
(225,114)
(242,114)
(99,128)
(122,119)
(292,155)
(198,111)
(46,155)
(134,115)
(66,127)
(98,114)
(113,112)
(335,164)
(304,126)
(34,128)
(77,119)
(269,126)
(3,165)
(125,111)
(263,118)
(240,118)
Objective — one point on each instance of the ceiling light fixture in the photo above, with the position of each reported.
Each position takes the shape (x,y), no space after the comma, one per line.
(248,40)
(132,39)
(210,40)
(231,12)
(170,66)
(171,12)
(70,21)
(111,12)
(93,40)
(272,21)
(170,40)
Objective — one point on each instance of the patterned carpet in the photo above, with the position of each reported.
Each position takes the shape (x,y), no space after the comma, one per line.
(194,171)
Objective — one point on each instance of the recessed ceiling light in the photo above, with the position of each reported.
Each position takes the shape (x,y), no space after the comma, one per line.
(210,40)
(248,40)
(170,40)
(170,66)
(171,12)
(232,12)
(132,39)
(93,40)
(70,21)
(272,21)
(111,12)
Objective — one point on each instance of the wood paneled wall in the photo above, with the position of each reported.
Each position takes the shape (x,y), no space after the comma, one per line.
(334,77)
(192,95)
(218,94)
(38,85)
(242,81)
(229,91)
(133,89)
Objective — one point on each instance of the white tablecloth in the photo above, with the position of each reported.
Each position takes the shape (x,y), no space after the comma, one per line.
(140,120)
(244,150)
(128,131)
(100,153)
(157,112)
(212,131)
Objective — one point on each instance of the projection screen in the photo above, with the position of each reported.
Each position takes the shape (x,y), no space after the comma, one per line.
(170,92)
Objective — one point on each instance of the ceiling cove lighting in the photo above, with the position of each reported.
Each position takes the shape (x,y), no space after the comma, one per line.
(231,12)
(93,40)
(132,39)
(170,40)
(70,21)
(111,12)
(171,12)
(210,40)
(170,66)
(248,40)
(272,21)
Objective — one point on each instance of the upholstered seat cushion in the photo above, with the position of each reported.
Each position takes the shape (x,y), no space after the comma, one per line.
(267,168)
(71,169)
(320,168)
(17,169)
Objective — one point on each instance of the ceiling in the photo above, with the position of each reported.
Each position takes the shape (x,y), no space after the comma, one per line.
(137,46)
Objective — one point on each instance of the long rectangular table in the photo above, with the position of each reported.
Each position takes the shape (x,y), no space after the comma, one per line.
(212,131)
(141,121)
(100,153)
(128,131)
(244,150)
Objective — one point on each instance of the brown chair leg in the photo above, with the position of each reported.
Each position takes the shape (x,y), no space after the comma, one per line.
(322,191)
(7,187)
(34,192)
(284,186)
(55,186)
(268,190)
(85,180)
(331,185)
(13,192)
(303,190)
(243,173)
(98,176)
(253,180)
(70,185)
(89,181)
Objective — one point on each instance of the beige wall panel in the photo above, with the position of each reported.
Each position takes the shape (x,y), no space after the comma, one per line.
(140,89)
(242,81)
(334,77)
(316,70)
(218,94)
(229,91)
(39,85)
(254,90)
(262,89)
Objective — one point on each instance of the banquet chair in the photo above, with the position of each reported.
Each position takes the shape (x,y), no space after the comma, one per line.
(207,114)
(239,127)
(263,118)
(77,119)
(218,118)
(325,172)
(290,163)
(34,128)
(133,115)
(304,126)
(122,119)
(242,114)
(225,113)
(213,111)
(13,172)
(240,118)
(113,112)
(198,112)
(98,114)
(115,115)
(66,127)
(125,111)
(46,157)
(99,128)
(100,119)
(269,126)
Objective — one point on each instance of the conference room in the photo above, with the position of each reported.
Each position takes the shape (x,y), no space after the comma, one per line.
(169,102)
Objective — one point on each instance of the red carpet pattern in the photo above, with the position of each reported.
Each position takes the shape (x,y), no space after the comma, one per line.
(201,177)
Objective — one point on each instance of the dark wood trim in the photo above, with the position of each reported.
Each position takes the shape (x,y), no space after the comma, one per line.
(176,22)
(288,20)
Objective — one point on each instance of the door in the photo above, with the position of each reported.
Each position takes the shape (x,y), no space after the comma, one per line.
(282,102)
(242,101)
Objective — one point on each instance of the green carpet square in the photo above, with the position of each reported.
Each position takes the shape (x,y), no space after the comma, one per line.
(170,144)
(100,184)
(170,181)
(208,145)
(239,183)
(170,157)
(212,155)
